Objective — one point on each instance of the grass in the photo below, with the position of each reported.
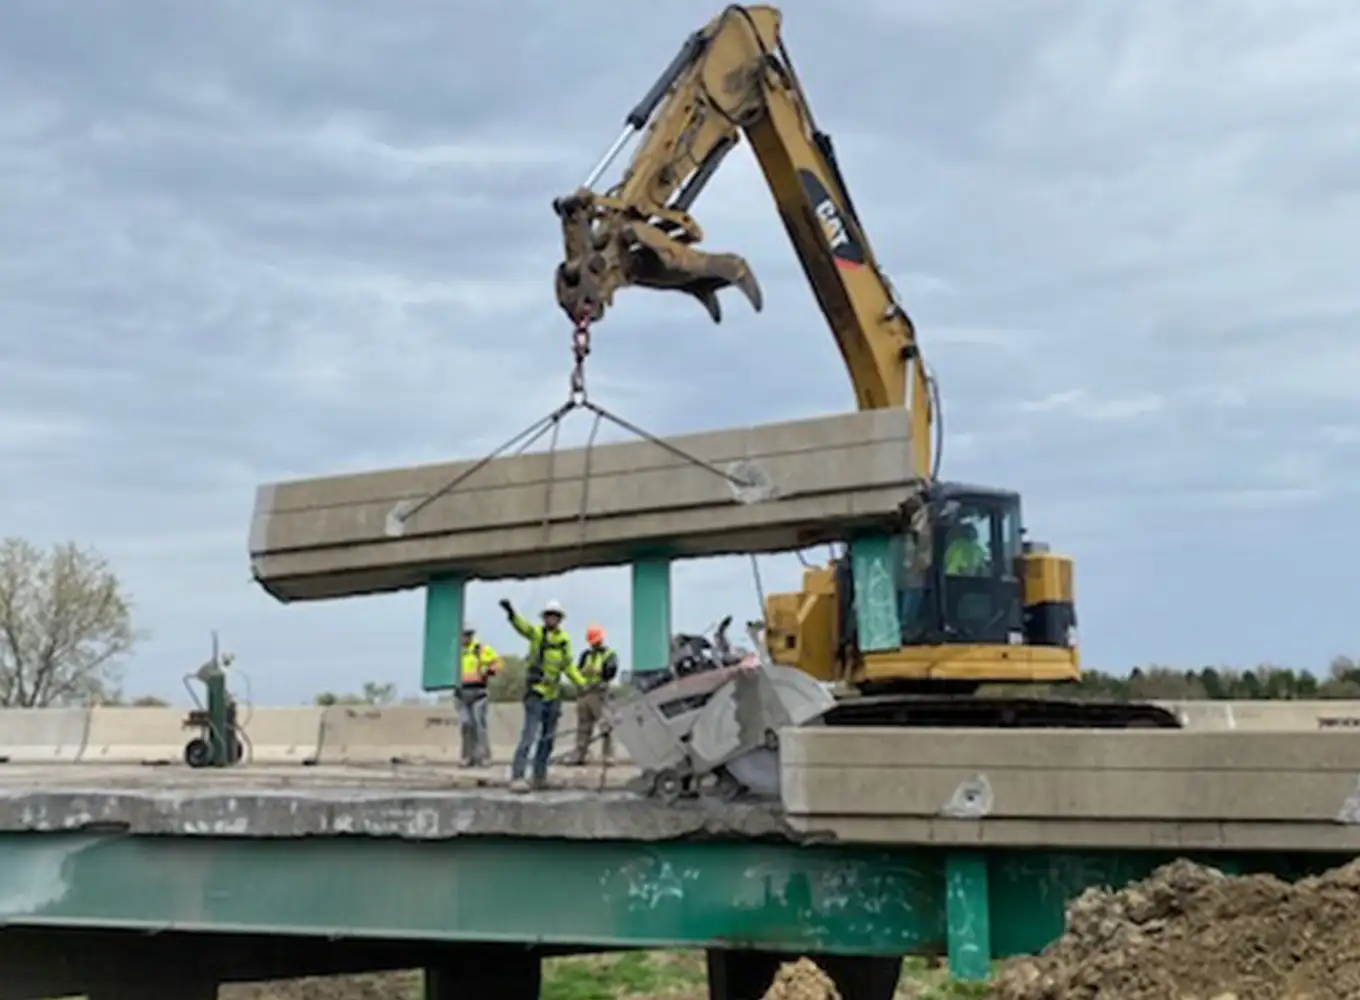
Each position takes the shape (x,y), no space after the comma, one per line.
(627,976)
(641,975)
(680,975)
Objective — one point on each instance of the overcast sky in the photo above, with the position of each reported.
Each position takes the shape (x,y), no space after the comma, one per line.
(243,242)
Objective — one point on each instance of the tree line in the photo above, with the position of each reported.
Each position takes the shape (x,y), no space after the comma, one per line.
(66,630)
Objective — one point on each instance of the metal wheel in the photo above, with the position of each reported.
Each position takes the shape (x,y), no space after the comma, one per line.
(197,753)
(644,784)
(669,786)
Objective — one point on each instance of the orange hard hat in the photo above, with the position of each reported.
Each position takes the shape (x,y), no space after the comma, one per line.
(594,634)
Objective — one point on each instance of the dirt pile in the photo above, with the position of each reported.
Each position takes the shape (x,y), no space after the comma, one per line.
(1191,933)
(367,986)
(801,980)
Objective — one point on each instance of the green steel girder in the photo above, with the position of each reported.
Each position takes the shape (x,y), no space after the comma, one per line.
(773,896)
(606,894)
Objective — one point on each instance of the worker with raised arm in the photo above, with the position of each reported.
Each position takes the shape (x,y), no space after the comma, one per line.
(478,664)
(549,658)
(599,665)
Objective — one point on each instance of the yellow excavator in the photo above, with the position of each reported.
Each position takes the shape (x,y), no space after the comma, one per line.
(955,597)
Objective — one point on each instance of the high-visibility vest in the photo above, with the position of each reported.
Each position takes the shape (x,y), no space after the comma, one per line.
(478,663)
(964,558)
(599,663)
(549,658)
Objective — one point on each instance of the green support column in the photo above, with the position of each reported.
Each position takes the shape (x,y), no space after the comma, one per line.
(873,564)
(968,915)
(443,626)
(496,972)
(651,613)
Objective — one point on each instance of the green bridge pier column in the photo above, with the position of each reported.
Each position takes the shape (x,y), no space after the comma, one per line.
(444,602)
(500,976)
(968,920)
(651,613)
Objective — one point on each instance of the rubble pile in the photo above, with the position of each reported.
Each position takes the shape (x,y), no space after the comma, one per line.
(1192,933)
(801,980)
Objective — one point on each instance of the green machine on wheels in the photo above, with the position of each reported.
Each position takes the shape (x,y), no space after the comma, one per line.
(220,742)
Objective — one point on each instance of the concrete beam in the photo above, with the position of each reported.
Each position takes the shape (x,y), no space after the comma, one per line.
(1074,788)
(540,514)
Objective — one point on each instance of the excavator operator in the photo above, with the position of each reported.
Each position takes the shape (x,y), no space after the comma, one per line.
(965,555)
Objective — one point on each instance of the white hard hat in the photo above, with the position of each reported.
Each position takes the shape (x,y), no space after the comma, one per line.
(554,607)
(469,628)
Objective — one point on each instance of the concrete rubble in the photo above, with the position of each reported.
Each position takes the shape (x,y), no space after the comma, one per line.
(544,513)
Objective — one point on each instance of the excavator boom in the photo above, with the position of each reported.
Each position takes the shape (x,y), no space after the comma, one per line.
(734,77)
(951,594)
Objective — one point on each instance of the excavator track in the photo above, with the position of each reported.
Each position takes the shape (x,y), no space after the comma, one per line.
(948,711)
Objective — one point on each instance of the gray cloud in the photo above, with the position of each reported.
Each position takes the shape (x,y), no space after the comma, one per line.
(242,244)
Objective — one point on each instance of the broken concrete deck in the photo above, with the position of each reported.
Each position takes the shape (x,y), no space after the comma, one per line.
(410,803)
(539,513)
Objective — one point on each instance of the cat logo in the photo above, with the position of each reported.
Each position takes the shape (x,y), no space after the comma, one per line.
(839,231)
(832,226)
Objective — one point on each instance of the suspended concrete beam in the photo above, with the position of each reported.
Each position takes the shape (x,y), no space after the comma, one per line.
(770,488)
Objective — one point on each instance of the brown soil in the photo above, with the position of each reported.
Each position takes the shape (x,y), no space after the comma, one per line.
(1191,933)
(801,980)
(369,986)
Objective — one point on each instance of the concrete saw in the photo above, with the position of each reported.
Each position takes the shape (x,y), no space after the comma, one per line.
(717,731)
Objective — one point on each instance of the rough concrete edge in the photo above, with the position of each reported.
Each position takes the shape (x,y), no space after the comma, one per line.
(251,814)
(260,519)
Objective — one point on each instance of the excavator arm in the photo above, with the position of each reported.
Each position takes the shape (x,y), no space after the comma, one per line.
(730,78)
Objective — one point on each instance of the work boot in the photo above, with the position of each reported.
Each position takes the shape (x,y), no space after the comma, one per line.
(519,785)
(539,784)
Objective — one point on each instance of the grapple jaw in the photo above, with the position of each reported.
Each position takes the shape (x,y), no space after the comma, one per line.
(606,250)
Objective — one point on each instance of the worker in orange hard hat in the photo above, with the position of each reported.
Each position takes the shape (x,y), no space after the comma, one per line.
(599,665)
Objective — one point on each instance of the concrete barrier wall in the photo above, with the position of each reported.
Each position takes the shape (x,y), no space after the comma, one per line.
(1267,716)
(136,736)
(306,734)
(356,734)
(289,735)
(43,735)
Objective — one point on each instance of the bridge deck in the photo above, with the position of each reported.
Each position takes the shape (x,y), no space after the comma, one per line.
(410,801)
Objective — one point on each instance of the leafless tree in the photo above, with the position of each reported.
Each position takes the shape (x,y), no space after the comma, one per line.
(64,625)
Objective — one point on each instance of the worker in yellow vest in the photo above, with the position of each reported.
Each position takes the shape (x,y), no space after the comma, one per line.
(599,665)
(548,660)
(478,664)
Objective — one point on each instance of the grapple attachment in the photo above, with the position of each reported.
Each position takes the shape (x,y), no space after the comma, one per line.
(607,250)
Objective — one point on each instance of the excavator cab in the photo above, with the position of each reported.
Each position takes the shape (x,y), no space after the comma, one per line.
(957,577)
(975,603)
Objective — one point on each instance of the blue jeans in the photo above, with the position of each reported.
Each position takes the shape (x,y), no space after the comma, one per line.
(472,719)
(540,729)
